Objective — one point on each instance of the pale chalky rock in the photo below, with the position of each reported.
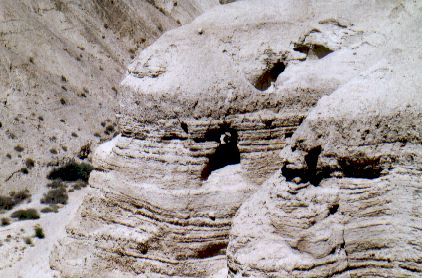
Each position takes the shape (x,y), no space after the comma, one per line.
(346,202)
(205,113)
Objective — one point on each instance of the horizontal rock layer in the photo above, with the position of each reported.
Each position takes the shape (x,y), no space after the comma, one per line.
(205,113)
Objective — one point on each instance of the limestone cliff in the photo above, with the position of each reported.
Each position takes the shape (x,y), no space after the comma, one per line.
(307,114)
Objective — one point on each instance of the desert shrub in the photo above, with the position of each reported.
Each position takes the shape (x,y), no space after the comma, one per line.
(39,233)
(20,196)
(56,184)
(29,163)
(6,202)
(79,185)
(19,148)
(84,151)
(55,196)
(26,214)
(24,170)
(52,208)
(28,240)
(5,221)
(71,171)
(53,151)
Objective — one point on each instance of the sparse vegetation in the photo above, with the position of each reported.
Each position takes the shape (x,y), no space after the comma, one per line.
(62,100)
(5,221)
(39,233)
(53,151)
(85,151)
(79,185)
(52,208)
(71,171)
(26,214)
(28,240)
(24,171)
(14,198)
(19,148)
(55,196)
(20,196)
(56,184)
(6,202)
(29,163)
(74,134)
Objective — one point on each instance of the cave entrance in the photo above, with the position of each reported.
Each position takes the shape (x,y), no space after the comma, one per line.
(226,153)
(270,76)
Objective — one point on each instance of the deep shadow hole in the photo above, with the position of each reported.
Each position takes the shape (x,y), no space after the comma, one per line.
(321,51)
(269,76)
(225,154)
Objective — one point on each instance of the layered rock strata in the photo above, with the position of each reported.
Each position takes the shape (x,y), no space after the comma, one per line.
(206,111)
(346,202)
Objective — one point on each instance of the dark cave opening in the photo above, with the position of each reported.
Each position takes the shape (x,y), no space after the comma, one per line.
(226,153)
(321,51)
(269,76)
(310,173)
(361,167)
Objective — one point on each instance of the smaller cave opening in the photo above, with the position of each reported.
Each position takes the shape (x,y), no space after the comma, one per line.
(310,173)
(269,76)
(211,250)
(226,153)
(288,134)
(361,167)
(301,48)
(316,50)
(311,160)
(321,51)
(184,127)
(333,209)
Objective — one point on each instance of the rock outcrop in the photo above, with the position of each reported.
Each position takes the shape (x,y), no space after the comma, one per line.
(214,109)
(347,199)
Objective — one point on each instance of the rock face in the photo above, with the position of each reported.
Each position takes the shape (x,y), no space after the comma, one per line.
(60,66)
(347,199)
(307,113)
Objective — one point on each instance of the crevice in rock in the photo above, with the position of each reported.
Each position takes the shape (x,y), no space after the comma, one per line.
(184,126)
(334,208)
(310,173)
(270,75)
(320,51)
(288,134)
(226,153)
(317,50)
(360,167)
(173,136)
(211,250)
(351,167)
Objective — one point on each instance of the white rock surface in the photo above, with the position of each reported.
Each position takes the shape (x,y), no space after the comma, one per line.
(308,110)
(60,65)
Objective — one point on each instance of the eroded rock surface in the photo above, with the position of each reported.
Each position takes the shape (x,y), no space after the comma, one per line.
(211,111)
(347,199)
